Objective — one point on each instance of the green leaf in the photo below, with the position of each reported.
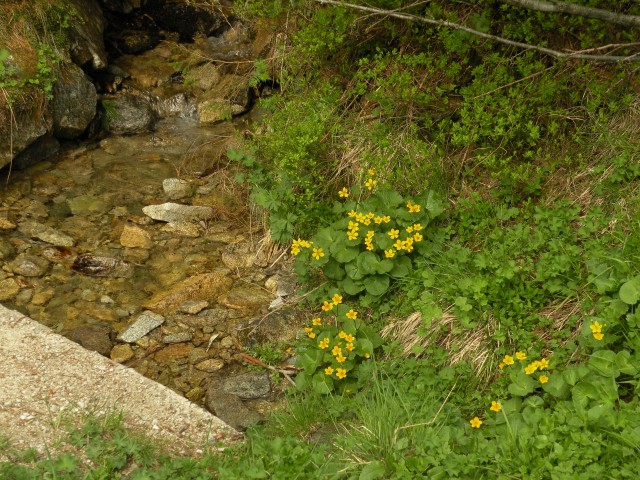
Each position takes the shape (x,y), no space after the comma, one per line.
(353,271)
(310,360)
(557,387)
(522,384)
(372,471)
(574,373)
(604,362)
(367,262)
(582,393)
(351,287)
(333,270)
(401,267)
(630,291)
(343,253)
(384,266)
(321,383)
(624,365)
(377,284)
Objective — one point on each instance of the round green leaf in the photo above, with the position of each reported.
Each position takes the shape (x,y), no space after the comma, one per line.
(377,284)
(630,291)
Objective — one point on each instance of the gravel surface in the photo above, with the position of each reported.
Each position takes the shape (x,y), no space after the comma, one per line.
(45,377)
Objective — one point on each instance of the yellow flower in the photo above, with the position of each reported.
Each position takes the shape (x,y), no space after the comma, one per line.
(340,358)
(366,221)
(342,334)
(308,330)
(393,233)
(377,220)
(495,406)
(370,215)
(408,244)
(417,237)
(317,253)
(532,367)
(324,343)
(417,227)
(360,217)
(543,379)
(328,371)
(367,355)
(598,336)
(336,299)
(371,171)
(370,234)
(413,208)
(409,229)
(352,314)
(352,234)
(352,213)
(507,360)
(344,193)
(501,365)
(386,219)
(305,243)
(353,225)
(399,245)
(543,363)
(349,338)
(521,355)
(475,422)
(341,373)
(370,183)
(596,327)
(312,335)
(336,351)
(295,250)
(349,346)
(316,321)
(326,306)
(390,253)
(369,246)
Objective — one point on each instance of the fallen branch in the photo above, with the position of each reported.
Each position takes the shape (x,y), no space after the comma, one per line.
(495,38)
(286,372)
(556,6)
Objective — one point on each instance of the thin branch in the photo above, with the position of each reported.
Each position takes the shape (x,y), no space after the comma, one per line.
(557,6)
(495,38)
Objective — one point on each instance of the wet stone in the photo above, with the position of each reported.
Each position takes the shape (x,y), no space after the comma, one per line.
(176,189)
(6,224)
(146,322)
(192,307)
(197,355)
(246,298)
(121,353)
(135,237)
(195,394)
(248,385)
(97,266)
(173,352)
(42,297)
(211,365)
(46,234)
(29,266)
(6,249)
(177,337)
(96,337)
(229,408)
(176,213)
(183,229)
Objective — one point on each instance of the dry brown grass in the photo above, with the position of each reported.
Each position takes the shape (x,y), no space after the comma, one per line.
(472,345)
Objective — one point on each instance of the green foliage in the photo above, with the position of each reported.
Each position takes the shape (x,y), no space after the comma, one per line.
(360,263)
(336,355)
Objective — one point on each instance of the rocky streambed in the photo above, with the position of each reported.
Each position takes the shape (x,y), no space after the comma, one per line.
(162,272)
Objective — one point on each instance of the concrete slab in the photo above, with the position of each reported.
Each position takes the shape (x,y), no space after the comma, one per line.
(44,375)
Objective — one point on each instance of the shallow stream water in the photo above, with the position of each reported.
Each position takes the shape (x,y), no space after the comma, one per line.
(84,201)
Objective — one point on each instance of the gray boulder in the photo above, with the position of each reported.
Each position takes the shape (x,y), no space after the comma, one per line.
(74,103)
(128,113)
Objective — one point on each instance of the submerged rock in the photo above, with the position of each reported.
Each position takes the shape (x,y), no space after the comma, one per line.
(29,266)
(177,213)
(146,322)
(9,288)
(135,237)
(207,286)
(46,234)
(96,266)
(95,337)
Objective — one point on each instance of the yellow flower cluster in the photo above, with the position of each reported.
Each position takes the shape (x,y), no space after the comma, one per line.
(368,241)
(596,330)
(298,244)
(413,208)
(371,182)
(531,368)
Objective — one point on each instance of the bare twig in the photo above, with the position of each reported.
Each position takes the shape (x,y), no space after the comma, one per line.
(557,6)
(495,38)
